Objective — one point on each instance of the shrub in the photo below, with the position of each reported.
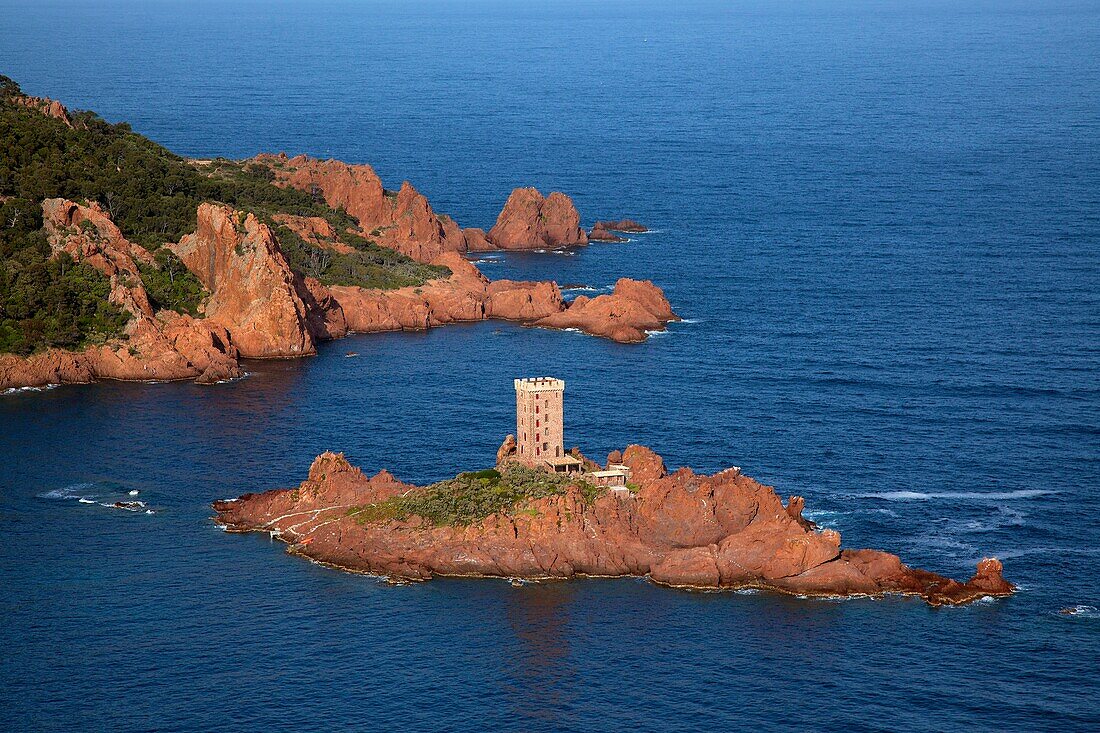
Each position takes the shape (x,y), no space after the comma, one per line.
(474,496)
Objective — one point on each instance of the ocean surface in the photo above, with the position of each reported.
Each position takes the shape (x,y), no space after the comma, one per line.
(881,223)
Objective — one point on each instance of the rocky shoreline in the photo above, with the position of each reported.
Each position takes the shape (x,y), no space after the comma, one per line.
(719,532)
(258,306)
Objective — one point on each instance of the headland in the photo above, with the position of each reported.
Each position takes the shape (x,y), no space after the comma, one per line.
(124,261)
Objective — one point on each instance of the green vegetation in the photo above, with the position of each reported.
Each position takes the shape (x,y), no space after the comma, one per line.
(152,195)
(471,497)
(369,266)
(48,302)
(170,285)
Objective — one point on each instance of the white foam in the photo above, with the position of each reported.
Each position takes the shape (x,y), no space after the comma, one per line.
(84,500)
(1080,611)
(663,332)
(18,390)
(926,495)
(246,375)
(73,491)
(689,320)
(135,492)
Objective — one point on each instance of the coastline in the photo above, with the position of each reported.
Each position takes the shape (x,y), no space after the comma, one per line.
(719,532)
(261,269)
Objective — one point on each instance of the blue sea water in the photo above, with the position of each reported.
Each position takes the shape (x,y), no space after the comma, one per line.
(881,222)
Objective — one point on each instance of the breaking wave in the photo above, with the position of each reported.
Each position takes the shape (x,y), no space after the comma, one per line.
(106,495)
(18,390)
(1080,611)
(73,491)
(927,495)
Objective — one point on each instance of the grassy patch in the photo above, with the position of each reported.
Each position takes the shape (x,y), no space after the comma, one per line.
(471,497)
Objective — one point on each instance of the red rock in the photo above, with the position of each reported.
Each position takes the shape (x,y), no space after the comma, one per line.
(622,225)
(403,221)
(477,241)
(507,449)
(324,315)
(87,234)
(514,300)
(529,221)
(253,290)
(795,505)
(644,464)
(599,234)
(683,529)
(314,230)
(48,107)
(163,346)
(624,316)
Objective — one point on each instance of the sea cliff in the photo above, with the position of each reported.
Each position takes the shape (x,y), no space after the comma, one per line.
(201,263)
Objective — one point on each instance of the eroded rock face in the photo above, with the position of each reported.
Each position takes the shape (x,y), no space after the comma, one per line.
(161,346)
(87,234)
(466,295)
(477,241)
(507,449)
(632,309)
(403,221)
(681,529)
(253,290)
(48,107)
(529,221)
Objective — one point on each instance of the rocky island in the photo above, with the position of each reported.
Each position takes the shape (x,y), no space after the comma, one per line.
(544,513)
(121,260)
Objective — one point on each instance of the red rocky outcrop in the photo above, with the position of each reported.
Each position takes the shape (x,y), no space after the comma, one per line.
(403,221)
(625,315)
(598,234)
(254,294)
(466,295)
(681,529)
(48,107)
(529,221)
(165,345)
(622,225)
(314,230)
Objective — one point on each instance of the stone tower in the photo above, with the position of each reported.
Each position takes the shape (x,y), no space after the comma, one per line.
(539,404)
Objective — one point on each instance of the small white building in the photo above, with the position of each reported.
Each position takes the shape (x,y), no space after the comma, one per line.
(614,477)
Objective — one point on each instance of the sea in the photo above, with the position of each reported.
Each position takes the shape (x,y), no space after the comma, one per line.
(880,222)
